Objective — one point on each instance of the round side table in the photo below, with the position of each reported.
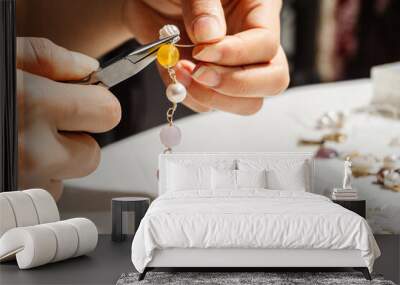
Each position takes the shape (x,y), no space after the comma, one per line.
(119,205)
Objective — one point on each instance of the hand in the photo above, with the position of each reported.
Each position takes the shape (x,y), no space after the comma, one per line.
(53,117)
(237,59)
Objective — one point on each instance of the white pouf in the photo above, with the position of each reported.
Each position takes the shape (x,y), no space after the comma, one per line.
(31,232)
(35,246)
(7,220)
(46,207)
(26,208)
(67,240)
(41,244)
(23,208)
(87,233)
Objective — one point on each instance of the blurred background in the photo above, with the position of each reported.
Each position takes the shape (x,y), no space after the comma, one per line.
(324,40)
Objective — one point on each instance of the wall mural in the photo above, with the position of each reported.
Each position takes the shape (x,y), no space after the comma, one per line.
(373,146)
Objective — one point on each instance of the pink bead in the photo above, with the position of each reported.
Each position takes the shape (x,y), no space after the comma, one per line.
(170,136)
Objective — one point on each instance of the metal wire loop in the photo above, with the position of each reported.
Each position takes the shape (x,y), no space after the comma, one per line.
(170,114)
(167,150)
(172,75)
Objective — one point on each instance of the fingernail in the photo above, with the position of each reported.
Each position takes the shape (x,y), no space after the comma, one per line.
(207,29)
(87,61)
(183,76)
(207,76)
(207,53)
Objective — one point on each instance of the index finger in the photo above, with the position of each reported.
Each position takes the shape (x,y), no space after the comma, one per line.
(42,57)
(249,47)
(257,41)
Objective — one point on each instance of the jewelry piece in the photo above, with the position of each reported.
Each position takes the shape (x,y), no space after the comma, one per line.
(326,153)
(168,57)
(334,137)
(391,180)
(332,120)
(391,161)
(365,165)
(380,176)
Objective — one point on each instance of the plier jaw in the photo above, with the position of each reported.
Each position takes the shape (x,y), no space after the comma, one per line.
(127,66)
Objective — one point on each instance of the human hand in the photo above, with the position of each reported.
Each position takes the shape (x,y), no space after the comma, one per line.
(54,117)
(237,60)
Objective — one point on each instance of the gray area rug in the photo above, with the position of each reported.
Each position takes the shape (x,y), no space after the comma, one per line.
(268,278)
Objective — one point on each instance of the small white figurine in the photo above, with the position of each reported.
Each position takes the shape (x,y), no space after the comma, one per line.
(347,174)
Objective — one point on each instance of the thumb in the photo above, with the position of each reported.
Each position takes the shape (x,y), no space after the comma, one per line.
(204,20)
(42,57)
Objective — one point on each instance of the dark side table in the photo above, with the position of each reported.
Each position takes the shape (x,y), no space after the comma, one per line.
(138,205)
(356,206)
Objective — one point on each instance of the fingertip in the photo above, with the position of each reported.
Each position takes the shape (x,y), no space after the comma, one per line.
(86,62)
(255,107)
(108,107)
(112,112)
(186,64)
(94,155)
(184,70)
(282,81)
(207,29)
(183,75)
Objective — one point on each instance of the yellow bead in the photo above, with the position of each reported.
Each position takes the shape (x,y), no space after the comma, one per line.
(168,55)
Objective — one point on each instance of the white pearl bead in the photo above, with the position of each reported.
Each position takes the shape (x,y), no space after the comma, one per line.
(176,92)
(170,136)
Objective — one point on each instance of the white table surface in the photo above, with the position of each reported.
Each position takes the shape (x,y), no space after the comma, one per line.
(128,167)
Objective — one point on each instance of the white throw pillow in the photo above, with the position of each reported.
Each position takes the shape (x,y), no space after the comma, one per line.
(251,178)
(223,179)
(282,174)
(188,177)
(292,179)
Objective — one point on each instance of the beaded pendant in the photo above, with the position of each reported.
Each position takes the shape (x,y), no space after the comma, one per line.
(168,57)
